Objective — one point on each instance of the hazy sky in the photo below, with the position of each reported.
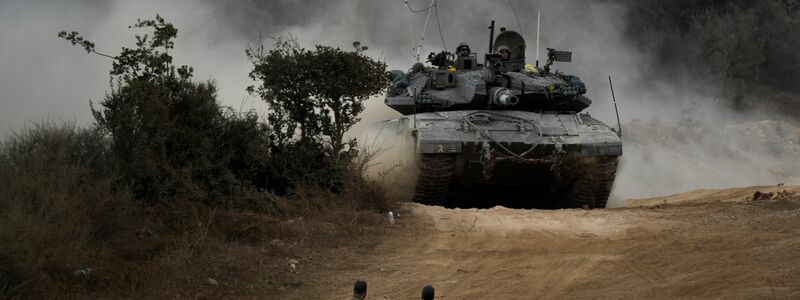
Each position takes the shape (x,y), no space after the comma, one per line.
(44,77)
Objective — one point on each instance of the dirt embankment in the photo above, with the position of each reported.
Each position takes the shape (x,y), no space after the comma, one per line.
(704,244)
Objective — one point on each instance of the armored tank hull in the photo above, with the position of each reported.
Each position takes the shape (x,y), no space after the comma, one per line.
(501,125)
(571,158)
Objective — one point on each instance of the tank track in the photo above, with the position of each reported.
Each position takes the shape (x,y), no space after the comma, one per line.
(435,175)
(593,189)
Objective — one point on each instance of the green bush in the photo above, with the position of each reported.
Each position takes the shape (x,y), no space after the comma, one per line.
(315,96)
(170,137)
(241,160)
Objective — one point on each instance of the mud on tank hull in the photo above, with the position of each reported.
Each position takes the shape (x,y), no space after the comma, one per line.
(568,159)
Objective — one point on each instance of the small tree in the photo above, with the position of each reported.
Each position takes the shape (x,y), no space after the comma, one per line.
(315,95)
(170,136)
(138,112)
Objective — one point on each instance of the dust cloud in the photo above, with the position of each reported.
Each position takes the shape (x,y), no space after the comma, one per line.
(678,137)
(392,156)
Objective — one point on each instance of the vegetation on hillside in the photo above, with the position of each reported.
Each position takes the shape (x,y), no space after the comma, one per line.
(145,198)
(747,50)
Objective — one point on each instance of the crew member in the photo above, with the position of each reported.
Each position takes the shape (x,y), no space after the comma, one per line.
(505,53)
(465,60)
(463,50)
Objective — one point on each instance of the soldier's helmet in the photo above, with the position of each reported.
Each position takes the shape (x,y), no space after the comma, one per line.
(503,48)
(463,46)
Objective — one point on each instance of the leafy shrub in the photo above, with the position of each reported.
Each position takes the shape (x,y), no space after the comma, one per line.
(170,137)
(314,96)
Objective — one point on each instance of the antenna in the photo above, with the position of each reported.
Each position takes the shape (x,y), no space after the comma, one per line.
(516,17)
(619,125)
(410,28)
(491,37)
(538,23)
(414,97)
(424,28)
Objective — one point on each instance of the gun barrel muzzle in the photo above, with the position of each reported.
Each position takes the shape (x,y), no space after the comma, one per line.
(503,97)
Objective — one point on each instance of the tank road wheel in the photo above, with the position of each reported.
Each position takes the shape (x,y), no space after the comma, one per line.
(593,188)
(435,174)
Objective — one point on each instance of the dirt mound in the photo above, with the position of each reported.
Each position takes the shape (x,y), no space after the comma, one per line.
(709,243)
(718,195)
(781,200)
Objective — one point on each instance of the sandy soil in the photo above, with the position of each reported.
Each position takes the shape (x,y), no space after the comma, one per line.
(702,244)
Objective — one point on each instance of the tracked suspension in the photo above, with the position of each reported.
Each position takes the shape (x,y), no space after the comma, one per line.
(436,174)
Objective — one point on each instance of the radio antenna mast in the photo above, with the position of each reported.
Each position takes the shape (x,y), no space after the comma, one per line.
(619,125)
(513,9)
(424,28)
(538,22)
(410,29)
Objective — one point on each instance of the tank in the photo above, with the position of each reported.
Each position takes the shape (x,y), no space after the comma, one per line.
(503,125)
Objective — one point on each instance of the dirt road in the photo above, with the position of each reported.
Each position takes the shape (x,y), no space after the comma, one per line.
(706,244)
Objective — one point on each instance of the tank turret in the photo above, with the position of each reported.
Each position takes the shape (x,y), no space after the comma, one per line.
(457,84)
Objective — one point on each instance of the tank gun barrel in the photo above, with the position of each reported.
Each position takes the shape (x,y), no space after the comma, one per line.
(502,97)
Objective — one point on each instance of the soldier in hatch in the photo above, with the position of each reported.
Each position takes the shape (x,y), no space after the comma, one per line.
(505,53)
(465,59)
(463,50)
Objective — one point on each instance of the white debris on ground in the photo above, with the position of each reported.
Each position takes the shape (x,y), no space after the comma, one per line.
(212,281)
(82,272)
(292,263)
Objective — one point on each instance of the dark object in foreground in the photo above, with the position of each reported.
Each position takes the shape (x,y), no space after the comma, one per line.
(360,290)
(504,123)
(428,293)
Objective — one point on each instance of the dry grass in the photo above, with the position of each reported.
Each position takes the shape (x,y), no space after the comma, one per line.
(55,216)
(67,230)
(213,253)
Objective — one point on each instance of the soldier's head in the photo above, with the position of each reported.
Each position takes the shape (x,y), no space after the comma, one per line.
(418,67)
(428,293)
(360,289)
(463,50)
(505,53)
